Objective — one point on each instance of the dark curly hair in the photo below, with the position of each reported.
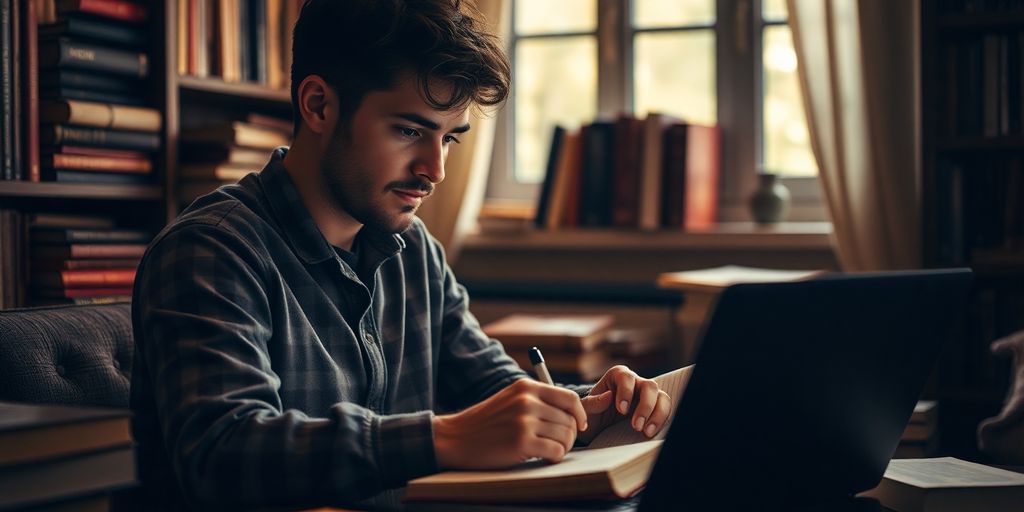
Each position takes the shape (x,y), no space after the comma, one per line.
(358,46)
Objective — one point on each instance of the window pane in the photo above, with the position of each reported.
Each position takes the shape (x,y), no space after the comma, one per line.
(774,10)
(555,83)
(673,13)
(547,16)
(675,74)
(787,146)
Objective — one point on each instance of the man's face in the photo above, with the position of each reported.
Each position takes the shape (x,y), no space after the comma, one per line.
(393,157)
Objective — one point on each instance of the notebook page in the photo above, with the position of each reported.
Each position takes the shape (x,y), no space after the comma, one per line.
(621,433)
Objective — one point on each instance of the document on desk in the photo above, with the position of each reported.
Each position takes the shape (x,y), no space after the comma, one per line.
(616,465)
(673,383)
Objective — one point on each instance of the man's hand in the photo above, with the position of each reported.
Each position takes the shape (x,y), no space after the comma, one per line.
(1002,436)
(525,420)
(622,394)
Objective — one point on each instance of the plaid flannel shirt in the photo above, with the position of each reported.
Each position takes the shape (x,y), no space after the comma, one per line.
(250,388)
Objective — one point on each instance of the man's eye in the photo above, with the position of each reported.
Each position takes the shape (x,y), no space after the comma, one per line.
(450,138)
(408,132)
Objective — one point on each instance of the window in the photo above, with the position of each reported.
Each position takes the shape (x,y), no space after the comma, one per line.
(729,62)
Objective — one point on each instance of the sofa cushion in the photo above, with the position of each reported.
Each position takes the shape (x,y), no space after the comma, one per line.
(67,354)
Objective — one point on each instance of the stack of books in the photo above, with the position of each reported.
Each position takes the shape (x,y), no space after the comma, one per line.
(55,457)
(948,484)
(574,346)
(96,124)
(921,437)
(223,153)
(82,259)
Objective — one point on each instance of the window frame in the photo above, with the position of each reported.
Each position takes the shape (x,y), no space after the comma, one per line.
(738,30)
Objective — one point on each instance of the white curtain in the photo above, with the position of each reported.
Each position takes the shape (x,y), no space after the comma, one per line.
(454,207)
(858,70)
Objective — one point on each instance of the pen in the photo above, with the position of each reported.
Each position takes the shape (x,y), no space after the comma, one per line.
(537,360)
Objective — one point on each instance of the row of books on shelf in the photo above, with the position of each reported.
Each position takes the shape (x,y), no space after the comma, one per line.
(950,7)
(78,109)
(70,259)
(222,153)
(984,221)
(652,173)
(578,348)
(984,85)
(56,457)
(237,40)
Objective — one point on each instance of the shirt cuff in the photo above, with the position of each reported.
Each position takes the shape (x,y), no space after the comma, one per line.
(405,447)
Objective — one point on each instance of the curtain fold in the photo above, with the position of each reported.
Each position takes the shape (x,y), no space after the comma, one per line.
(858,72)
(456,203)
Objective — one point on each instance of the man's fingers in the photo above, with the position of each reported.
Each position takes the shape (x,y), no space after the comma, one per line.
(624,386)
(558,432)
(647,397)
(659,418)
(596,404)
(565,400)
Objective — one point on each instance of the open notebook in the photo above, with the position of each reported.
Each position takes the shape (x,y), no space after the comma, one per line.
(617,463)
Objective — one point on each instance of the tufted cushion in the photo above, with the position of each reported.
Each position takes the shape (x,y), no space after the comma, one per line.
(66,354)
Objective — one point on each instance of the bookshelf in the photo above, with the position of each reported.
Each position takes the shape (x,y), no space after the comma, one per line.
(972,122)
(184,101)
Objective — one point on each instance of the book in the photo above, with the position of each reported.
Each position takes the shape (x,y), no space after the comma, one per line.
(616,464)
(88,251)
(221,153)
(30,47)
(72,293)
(51,265)
(104,152)
(564,333)
(116,9)
(64,279)
(625,178)
(75,93)
(65,53)
(99,137)
(47,235)
(7,66)
(96,30)
(703,161)
(70,220)
(651,165)
(102,115)
(547,186)
(97,163)
(716,279)
(106,178)
(566,184)
(948,484)
(57,479)
(598,156)
(35,432)
(239,133)
(74,79)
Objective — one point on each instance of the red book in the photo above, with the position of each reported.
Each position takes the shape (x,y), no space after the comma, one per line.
(88,251)
(99,163)
(70,293)
(117,9)
(626,172)
(30,46)
(703,158)
(110,153)
(109,278)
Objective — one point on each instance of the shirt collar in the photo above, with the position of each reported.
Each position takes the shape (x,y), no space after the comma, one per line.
(298,225)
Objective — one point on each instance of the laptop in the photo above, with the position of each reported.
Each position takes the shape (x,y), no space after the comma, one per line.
(802,390)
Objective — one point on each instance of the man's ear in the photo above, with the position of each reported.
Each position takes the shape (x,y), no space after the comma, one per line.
(317,104)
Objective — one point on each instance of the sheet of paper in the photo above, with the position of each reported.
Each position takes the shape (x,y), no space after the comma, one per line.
(950,472)
(621,433)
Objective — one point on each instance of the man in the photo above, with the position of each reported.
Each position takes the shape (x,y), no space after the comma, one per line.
(297,331)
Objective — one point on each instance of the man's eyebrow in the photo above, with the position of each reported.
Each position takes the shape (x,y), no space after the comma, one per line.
(427,123)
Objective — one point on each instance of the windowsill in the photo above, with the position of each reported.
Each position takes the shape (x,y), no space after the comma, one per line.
(730,235)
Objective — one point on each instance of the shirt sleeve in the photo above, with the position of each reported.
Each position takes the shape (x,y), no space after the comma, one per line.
(203,325)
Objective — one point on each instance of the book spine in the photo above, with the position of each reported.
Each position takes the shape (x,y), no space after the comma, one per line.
(6,92)
(97,278)
(100,251)
(117,9)
(97,137)
(73,55)
(71,79)
(70,293)
(17,165)
(596,195)
(60,265)
(544,202)
(69,176)
(69,93)
(102,115)
(105,152)
(244,50)
(31,45)
(119,34)
(258,40)
(99,163)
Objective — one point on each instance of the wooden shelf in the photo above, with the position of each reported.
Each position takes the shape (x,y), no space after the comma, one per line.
(216,89)
(981,143)
(49,190)
(982,21)
(738,235)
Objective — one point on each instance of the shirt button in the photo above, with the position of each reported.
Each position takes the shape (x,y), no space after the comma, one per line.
(368,337)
